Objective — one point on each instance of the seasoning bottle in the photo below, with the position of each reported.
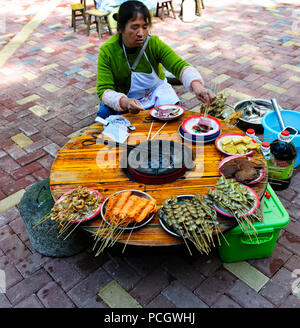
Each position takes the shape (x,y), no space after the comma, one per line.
(265,149)
(251,133)
(281,164)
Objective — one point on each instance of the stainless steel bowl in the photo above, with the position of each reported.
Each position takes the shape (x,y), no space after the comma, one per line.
(253,110)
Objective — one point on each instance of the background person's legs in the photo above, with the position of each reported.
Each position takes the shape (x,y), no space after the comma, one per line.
(105,111)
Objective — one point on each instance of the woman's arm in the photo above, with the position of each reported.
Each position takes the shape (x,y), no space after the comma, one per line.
(106,83)
(105,88)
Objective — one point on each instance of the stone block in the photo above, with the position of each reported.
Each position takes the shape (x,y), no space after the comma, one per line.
(117,297)
(34,205)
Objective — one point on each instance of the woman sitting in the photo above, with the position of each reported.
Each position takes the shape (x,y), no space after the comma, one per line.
(130,75)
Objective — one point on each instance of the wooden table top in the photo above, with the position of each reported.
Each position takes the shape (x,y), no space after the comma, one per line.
(78,164)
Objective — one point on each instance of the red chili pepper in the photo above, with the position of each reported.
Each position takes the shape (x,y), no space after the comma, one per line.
(267,195)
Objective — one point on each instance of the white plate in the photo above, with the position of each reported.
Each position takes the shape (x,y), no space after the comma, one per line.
(232,136)
(133,226)
(188,125)
(199,139)
(175,112)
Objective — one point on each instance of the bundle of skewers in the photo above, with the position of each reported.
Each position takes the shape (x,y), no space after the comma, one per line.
(72,209)
(216,108)
(123,212)
(237,200)
(220,109)
(193,218)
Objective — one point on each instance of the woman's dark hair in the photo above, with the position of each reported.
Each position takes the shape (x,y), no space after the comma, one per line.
(130,9)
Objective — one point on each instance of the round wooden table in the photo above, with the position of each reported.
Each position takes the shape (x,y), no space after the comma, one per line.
(78,164)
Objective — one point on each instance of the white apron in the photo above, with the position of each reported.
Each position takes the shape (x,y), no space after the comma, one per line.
(148,88)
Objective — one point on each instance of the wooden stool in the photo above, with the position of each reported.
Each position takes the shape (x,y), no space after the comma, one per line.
(99,16)
(198,6)
(164,5)
(77,11)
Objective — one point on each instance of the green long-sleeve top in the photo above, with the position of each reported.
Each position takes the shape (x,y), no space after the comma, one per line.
(113,71)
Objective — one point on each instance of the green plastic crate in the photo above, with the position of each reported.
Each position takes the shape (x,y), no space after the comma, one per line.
(240,247)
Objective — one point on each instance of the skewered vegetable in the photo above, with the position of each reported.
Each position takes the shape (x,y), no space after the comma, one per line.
(193,218)
(236,199)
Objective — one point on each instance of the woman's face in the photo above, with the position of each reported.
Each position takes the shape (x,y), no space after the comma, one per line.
(135,32)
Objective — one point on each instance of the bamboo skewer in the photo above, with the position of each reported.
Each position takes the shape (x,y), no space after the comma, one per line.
(150,130)
(158,131)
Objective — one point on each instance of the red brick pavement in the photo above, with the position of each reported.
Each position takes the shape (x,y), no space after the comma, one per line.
(229,38)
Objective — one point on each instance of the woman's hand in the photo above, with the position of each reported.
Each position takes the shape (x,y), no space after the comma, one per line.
(132,105)
(204,95)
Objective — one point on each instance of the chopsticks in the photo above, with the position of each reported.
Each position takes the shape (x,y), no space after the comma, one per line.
(150,130)
(158,131)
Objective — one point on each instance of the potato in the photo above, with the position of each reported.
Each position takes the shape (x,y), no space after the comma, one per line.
(226,141)
(247,139)
(241,149)
(252,145)
(238,145)
(237,140)
(230,149)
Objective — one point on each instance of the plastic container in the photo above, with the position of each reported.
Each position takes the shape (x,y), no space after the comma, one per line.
(188,11)
(272,129)
(242,248)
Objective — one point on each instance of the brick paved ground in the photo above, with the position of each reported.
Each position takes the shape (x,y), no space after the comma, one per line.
(48,76)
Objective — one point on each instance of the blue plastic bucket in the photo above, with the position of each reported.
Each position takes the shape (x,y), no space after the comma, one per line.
(272,129)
